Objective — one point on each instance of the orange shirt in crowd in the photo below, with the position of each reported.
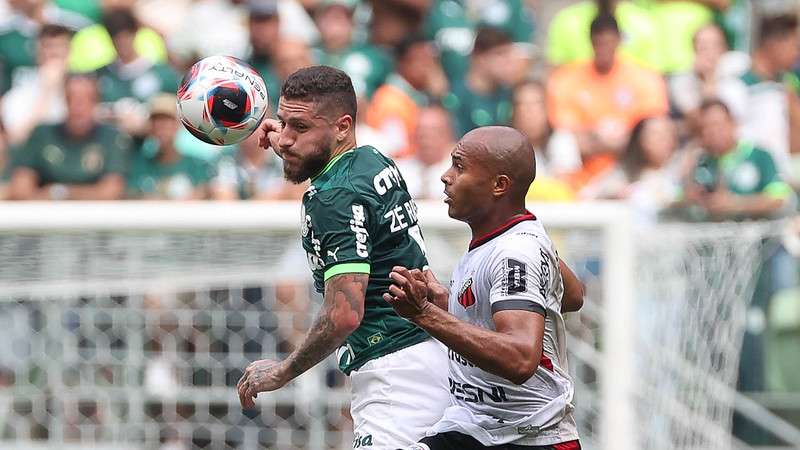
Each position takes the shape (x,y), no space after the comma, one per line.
(393,111)
(580,99)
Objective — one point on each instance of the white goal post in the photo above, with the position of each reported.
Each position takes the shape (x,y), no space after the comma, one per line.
(92,271)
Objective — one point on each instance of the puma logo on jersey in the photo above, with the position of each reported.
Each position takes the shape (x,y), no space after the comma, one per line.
(466,297)
(332,254)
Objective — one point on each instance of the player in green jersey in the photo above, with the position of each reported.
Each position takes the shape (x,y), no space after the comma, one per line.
(358,221)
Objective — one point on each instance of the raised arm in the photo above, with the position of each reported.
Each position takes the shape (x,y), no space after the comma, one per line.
(341,313)
(574,290)
(513,351)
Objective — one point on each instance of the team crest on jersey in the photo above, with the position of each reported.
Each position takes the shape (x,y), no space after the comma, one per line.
(305,221)
(466,297)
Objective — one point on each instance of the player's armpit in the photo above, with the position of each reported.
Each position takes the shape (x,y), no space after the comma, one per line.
(574,289)
(340,315)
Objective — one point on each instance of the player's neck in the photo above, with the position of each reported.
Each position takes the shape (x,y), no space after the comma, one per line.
(496,218)
(347,144)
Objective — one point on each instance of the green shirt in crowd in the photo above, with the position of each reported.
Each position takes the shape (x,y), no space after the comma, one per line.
(148,177)
(17,49)
(452,26)
(747,170)
(358,217)
(471,110)
(367,65)
(139,80)
(267,72)
(60,158)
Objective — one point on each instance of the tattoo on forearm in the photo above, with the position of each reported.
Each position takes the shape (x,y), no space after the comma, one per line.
(343,304)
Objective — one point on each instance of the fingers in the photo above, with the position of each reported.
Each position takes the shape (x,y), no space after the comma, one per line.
(245,388)
(430,276)
(400,280)
(418,276)
(397,292)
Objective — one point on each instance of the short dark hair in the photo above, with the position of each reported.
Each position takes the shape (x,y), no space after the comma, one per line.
(329,87)
(54,30)
(407,43)
(603,23)
(776,27)
(119,20)
(488,38)
(712,103)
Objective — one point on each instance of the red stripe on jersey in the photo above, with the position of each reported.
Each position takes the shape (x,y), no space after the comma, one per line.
(546,363)
(500,230)
(571,445)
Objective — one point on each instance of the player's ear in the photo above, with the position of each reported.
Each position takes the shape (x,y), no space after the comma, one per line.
(343,127)
(502,185)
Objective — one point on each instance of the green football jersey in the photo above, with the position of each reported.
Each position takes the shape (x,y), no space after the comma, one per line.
(358,217)
(60,158)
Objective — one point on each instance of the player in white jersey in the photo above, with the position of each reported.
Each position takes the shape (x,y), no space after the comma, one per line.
(509,383)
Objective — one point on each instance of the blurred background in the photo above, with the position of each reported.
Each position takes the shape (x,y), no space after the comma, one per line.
(667,139)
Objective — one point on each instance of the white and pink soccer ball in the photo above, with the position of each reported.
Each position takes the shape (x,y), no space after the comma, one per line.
(222,100)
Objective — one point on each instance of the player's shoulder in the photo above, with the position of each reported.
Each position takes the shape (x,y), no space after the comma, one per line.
(364,171)
(526,240)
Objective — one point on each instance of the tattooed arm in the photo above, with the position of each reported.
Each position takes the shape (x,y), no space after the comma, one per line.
(340,315)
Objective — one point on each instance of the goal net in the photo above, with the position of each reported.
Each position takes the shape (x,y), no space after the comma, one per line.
(128,325)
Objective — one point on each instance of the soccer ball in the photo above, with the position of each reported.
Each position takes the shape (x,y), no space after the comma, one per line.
(222,100)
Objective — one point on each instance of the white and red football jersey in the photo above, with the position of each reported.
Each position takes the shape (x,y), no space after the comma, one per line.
(513,268)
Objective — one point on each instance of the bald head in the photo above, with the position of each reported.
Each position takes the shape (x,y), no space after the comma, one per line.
(503,151)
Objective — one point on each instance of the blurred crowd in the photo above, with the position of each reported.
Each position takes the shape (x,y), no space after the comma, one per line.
(683,108)
(686,109)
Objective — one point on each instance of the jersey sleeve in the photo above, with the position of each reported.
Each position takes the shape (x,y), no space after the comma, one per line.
(520,279)
(341,221)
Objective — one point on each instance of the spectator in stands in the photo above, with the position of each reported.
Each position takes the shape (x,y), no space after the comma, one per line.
(252,174)
(452,26)
(712,76)
(568,33)
(448,25)
(366,64)
(5,167)
(483,96)
(394,111)
(601,100)
(732,179)
(556,150)
(768,93)
(77,160)
(128,82)
(434,142)
(263,26)
(18,35)
(93,47)
(648,174)
(38,96)
(158,170)
(394,20)
(291,56)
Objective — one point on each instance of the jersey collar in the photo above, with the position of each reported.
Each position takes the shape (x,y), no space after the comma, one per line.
(330,164)
(477,242)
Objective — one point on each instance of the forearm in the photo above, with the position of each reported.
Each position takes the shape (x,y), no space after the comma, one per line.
(758,205)
(574,289)
(494,352)
(106,189)
(324,337)
(340,315)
